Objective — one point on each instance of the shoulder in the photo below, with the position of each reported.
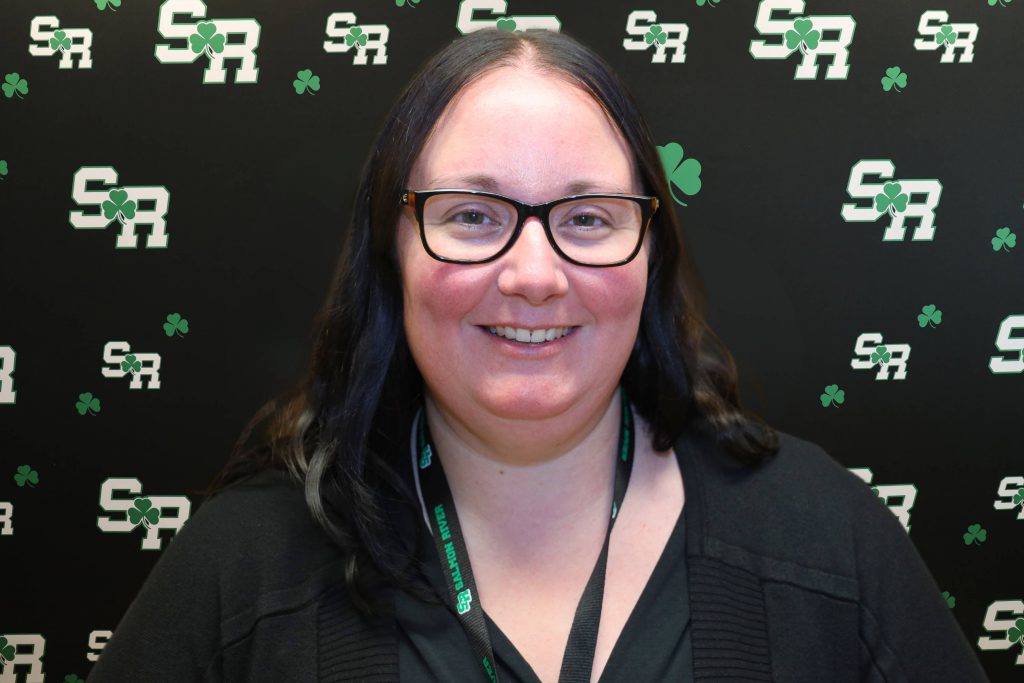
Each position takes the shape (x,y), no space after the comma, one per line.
(799,506)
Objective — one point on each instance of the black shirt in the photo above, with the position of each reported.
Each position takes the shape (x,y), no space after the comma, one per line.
(654,644)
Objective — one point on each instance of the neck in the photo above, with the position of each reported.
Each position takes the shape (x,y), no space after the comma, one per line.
(529,481)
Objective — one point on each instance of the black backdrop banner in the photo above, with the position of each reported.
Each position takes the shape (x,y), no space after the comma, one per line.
(176,179)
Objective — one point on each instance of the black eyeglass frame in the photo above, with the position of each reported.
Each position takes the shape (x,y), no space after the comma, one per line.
(417,200)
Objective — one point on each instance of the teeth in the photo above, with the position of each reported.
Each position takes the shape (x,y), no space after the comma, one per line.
(520,334)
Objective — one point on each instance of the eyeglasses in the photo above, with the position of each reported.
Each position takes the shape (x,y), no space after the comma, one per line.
(467,226)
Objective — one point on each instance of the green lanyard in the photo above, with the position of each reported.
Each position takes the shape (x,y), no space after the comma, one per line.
(578,660)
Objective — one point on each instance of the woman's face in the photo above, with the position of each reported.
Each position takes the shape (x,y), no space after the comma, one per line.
(533,136)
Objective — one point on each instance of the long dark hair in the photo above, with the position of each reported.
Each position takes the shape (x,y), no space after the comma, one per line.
(340,431)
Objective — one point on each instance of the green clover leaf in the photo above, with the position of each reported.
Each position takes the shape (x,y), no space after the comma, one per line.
(802,36)
(131,364)
(143,513)
(102,4)
(946,34)
(1016,632)
(175,323)
(206,38)
(305,81)
(894,78)
(14,84)
(880,355)
(929,315)
(891,198)
(355,35)
(975,534)
(87,403)
(1004,239)
(656,34)
(506,24)
(1018,498)
(3,168)
(73,678)
(399,3)
(60,41)
(1003,3)
(833,396)
(684,175)
(118,205)
(26,475)
(7,651)
(950,600)
(709,3)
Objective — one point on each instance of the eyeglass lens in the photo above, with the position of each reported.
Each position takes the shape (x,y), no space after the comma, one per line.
(469,227)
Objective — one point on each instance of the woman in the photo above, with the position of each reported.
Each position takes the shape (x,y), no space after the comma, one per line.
(519,453)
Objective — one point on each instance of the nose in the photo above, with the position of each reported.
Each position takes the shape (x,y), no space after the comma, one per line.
(531,268)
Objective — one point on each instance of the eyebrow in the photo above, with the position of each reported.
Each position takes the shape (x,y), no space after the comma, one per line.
(489,184)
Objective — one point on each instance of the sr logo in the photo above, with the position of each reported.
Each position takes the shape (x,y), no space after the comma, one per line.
(131,206)
(648,32)
(469,18)
(119,355)
(899,498)
(938,33)
(1011,495)
(1008,344)
(363,38)
(869,351)
(1006,618)
(7,361)
(813,36)
(899,200)
(153,513)
(212,38)
(27,659)
(69,42)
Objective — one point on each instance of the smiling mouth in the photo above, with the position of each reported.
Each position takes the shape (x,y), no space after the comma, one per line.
(523,335)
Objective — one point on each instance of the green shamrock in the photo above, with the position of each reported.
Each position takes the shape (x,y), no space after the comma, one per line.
(894,78)
(880,355)
(891,198)
(131,364)
(929,315)
(143,513)
(950,600)
(73,678)
(102,4)
(802,36)
(7,651)
(685,175)
(656,34)
(1018,498)
(1004,240)
(833,396)
(355,35)
(975,534)
(709,3)
(26,475)
(119,206)
(175,323)
(60,41)
(305,81)
(946,34)
(506,24)
(1016,632)
(87,403)
(1004,3)
(412,3)
(13,83)
(206,38)
(3,168)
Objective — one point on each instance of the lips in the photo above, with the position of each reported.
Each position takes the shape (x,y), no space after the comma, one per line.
(527,335)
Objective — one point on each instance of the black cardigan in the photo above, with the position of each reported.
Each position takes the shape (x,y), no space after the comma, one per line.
(797,573)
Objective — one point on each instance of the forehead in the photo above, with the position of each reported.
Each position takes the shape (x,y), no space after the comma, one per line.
(531,135)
